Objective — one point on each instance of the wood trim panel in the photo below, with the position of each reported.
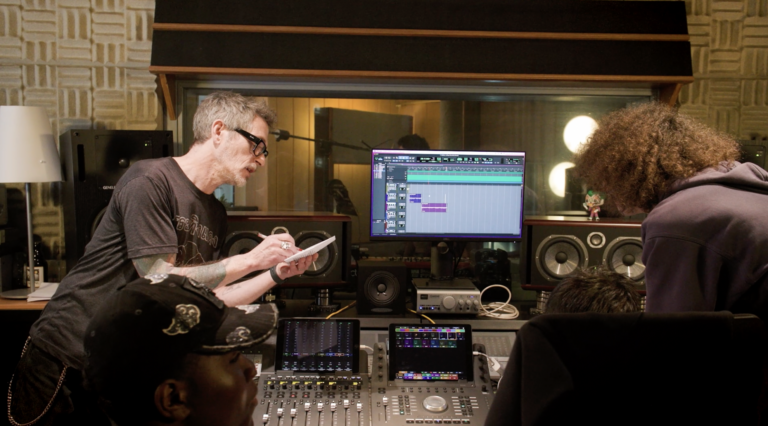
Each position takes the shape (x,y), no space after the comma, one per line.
(581,221)
(391,32)
(155,69)
(168,84)
(669,93)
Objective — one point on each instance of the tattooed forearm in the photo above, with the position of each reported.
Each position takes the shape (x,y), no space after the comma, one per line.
(211,274)
(157,264)
(228,289)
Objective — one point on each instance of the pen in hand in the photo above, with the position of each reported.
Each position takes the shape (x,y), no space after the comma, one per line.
(262,236)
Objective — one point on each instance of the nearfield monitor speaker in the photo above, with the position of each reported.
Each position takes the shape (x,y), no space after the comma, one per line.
(93,161)
(554,248)
(381,287)
(331,269)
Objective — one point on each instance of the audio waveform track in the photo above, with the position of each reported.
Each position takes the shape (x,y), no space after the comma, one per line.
(494,203)
(434,208)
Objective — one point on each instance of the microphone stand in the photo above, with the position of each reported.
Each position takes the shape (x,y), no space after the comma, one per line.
(281,135)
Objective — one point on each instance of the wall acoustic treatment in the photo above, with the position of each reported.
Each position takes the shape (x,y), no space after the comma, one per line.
(85,62)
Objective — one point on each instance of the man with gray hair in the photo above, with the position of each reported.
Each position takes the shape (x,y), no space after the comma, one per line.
(162,219)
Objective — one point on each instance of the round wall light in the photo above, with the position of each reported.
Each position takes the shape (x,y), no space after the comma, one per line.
(557,178)
(577,131)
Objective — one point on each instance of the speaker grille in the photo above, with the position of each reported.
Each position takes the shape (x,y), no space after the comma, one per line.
(381,288)
(240,243)
(326,257)
(560,255)
(624,256)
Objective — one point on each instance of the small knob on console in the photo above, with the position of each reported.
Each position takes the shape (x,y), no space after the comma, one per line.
(435,404)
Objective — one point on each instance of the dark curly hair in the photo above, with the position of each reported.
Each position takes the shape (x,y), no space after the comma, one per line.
(638,151)
(597,290)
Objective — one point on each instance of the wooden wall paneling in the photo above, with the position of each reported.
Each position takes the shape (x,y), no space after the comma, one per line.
(360,195)
(315,103)
(426,120)
(361,104)
(284,157)
(302,162)
(431,124)
(387,106)
(271,164)
(323,170)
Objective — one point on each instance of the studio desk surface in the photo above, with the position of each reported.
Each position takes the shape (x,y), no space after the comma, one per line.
(20,305)
(300,308)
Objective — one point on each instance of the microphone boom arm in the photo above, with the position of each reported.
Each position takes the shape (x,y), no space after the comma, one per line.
(285,135)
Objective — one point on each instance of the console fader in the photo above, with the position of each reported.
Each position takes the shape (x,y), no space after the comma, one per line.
(316,380)
(287,398)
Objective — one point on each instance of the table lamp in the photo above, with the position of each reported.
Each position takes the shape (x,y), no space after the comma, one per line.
(27,154)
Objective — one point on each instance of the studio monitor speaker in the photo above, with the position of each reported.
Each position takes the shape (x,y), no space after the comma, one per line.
(382,286)
(553,249)
(307,228)
(93,161)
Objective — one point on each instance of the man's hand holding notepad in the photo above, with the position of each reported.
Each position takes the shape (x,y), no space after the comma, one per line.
(310,250)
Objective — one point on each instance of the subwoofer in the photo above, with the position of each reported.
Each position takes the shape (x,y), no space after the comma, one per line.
(382,286)
(93,161)
(554,248)
(331,268)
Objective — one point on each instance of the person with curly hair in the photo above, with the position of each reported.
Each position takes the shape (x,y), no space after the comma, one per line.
(704,239)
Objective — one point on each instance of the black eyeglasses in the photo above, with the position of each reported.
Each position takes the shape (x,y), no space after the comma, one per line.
(259,147)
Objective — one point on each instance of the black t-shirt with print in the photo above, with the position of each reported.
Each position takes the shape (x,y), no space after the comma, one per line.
(155,209)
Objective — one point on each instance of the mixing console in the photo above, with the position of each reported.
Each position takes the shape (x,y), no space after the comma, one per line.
(428,376)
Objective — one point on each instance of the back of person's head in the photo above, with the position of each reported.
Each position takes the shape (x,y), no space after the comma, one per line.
(637,151)
(159,329)
(234,109)
(413,141)
(597,290)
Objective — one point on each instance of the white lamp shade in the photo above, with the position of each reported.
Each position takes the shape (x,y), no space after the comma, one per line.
(27,147)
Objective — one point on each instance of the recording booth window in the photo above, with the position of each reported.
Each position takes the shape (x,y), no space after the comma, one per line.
(320,150)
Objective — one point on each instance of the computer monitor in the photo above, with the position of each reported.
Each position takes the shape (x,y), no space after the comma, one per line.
(441,195)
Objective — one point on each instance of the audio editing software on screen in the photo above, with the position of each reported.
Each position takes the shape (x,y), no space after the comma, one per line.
(318,345)
(463,194)
(430,353)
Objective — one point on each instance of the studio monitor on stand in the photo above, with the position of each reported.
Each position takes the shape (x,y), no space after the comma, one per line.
(554,248)
(331,269)
(93,162)
(382,287)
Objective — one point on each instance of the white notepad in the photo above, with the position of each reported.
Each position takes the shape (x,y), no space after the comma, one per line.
(310,250)
(45,292)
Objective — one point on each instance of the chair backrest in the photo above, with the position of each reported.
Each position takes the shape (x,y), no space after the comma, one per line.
(633,369)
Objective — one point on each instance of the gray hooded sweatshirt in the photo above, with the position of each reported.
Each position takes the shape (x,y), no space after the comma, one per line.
(705,245)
